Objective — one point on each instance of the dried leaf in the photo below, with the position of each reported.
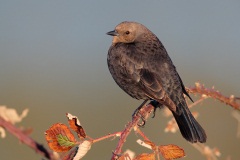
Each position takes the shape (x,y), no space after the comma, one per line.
(60,138)
(75,125)
(79,151)
(171,151)
(146,144)
(83,149)
(145,156)
(130,154)
(11,115)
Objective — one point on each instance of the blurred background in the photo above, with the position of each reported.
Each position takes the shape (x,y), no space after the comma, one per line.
(53,60)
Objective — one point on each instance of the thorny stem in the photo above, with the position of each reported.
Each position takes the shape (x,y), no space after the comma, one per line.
(143,112)
(141,133)
(196,102)
(210,92)
(116,134)
(39,148)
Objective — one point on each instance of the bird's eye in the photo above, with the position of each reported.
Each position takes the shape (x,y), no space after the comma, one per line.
(127,32)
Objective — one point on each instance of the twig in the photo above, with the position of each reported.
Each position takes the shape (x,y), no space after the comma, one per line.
(39,148)
(145,112)
(138,131)
(197,102)
(210,153)
(210,92)
(116,134)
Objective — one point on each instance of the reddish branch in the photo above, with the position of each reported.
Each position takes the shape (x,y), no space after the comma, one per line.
(144,112)
(26,139)
(116,134)
(210,92)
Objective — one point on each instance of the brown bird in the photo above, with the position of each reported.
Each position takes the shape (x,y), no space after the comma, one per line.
(140,65)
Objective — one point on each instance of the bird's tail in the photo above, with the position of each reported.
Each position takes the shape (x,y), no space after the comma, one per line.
(189,127)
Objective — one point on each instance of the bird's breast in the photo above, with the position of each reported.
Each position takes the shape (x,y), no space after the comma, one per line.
(125,70)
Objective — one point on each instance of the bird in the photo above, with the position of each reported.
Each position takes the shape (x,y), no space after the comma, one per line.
(141,66)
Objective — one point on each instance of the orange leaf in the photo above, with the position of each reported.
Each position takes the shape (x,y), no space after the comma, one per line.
(153,146)
(145,156)
(171,151)
(75,125)
(60,138)
(123,157)
(147,144)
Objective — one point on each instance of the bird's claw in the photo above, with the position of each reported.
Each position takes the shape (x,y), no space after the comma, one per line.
(136,113)
(156,105)
(154,111)
(143,122)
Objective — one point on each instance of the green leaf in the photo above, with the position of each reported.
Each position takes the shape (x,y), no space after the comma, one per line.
(64,141)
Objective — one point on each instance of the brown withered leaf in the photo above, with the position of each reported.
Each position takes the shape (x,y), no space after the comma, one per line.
(171,151)
(153,146)
(75,125)
(60,138)
(145,156)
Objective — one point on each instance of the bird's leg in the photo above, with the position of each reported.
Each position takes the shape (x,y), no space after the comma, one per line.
(137,112)
(156,105)
(138,109)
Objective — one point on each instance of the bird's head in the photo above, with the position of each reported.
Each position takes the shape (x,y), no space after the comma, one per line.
(128,32)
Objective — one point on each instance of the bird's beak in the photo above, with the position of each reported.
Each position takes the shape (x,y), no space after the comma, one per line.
(112,33)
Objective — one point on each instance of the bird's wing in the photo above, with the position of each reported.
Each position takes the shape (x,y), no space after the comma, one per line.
(160,80)
(162,85)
